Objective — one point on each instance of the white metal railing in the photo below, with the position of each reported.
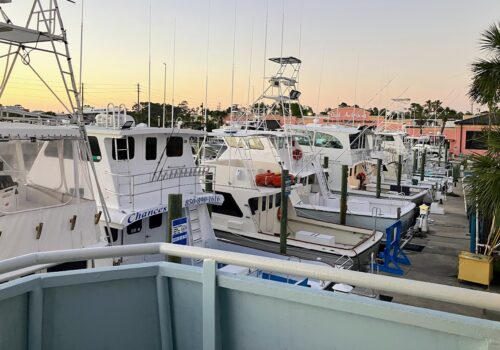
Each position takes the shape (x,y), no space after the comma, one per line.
(427,290)
(181,179)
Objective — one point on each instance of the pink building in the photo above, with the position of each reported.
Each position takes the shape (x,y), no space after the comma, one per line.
(465,137)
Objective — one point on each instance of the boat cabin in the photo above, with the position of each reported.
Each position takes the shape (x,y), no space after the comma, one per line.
(342,146)
(138,167)
(46,195)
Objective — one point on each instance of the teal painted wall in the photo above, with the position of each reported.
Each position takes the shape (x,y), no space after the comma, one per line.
(160,306)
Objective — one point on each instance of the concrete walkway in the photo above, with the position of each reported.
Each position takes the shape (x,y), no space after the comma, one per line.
(438,261)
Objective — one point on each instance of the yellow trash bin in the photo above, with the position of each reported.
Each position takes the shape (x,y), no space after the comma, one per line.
(475,268)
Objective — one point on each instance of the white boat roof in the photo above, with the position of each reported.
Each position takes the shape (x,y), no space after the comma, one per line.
(97,130)
(322,127)
(390,133)
(245,133)
(26,131)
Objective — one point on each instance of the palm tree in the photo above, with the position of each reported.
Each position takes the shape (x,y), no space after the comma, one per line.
(483,185)
(418,113)
(485,87)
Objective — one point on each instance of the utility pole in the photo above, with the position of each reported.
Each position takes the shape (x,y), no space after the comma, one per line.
(138,98)
(164,91)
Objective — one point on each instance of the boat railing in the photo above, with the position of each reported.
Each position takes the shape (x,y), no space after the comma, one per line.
(15,267)
(155,186)
(20,115)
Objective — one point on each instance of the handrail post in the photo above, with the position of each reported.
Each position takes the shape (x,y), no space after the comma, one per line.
(209,305)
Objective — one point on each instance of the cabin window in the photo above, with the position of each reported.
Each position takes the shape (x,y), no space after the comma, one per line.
(311,179)
(278,142)
(119,148)
(264,203)
(271,202)
(357,141)
(150,148)
(134,227)
(475,140)
(229,207)
(305,140)
(155,221)
(175,146)
(52,149)
(114,233)
(327,141)
(94,149)
(255,143)
(278,200)
(387,138)
(253,203)
(235,142)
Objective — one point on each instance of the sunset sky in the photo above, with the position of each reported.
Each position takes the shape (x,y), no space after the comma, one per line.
(350,50)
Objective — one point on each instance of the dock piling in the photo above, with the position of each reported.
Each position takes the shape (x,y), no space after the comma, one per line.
(285,179)
(422,166)
(343,196)
(379,177)
(174,212)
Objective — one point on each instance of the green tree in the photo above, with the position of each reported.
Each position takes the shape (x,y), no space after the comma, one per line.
(485,87)
(418,113)
(484,184)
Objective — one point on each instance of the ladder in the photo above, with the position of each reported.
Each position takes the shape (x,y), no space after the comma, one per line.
(320,175)
(196,237)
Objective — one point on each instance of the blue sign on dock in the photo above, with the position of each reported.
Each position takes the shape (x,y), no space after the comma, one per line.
(180,231)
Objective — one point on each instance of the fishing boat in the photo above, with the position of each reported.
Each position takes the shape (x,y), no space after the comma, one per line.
(138,168)
(314,200)
(46,197)
(248,175)
(340,145)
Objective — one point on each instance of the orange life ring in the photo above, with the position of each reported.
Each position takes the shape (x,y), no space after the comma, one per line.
(278,214)
(297,154)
